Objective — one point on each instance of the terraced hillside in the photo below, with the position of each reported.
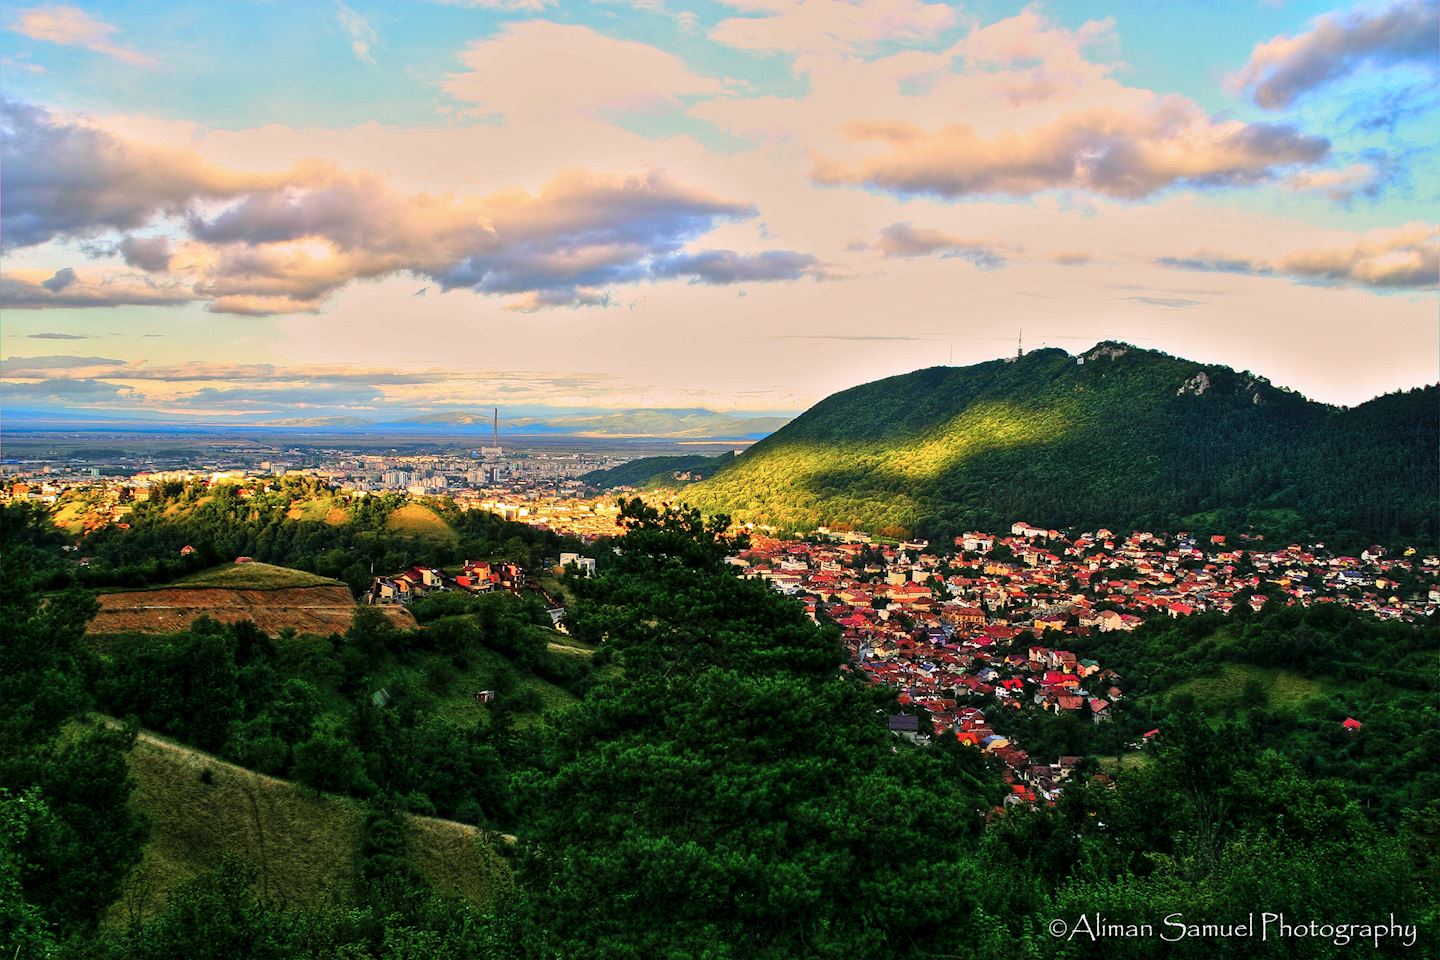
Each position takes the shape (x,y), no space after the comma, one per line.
(272,597)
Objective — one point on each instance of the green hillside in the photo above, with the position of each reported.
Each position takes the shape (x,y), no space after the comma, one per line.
(305,848)
(1118,436)
(251,576)
(650,472)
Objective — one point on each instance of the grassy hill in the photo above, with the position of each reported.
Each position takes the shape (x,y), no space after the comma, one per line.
(1118,436)
(203,809)
(419,522)
(251,576)
(650,472)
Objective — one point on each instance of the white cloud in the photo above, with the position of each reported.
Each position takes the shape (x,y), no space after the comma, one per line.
(362,34)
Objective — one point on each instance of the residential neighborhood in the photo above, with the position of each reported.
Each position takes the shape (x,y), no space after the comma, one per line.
(979,627)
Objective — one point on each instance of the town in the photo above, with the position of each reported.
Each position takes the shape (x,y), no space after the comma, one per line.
(967,632)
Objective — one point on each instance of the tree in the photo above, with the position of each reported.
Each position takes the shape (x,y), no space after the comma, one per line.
(73,854)
(328,762)
(734,755)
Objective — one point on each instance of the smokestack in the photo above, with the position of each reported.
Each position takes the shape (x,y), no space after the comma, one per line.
(496,441)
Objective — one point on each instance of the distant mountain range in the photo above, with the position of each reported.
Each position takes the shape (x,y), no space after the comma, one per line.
(693,423)
(676,424)
(1118,436)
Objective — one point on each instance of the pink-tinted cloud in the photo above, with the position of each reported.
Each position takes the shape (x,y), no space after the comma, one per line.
(283,243)
(830,25)
(1407,257)
(31,290)
(68,178)
(541,69)
(904,240)
(70,26)
(1127,154)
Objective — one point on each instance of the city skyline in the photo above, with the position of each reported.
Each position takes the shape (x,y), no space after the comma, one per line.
(249,213)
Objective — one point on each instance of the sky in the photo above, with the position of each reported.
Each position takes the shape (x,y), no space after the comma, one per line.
(251,212)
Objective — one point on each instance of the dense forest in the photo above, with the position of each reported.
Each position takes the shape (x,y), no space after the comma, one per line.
(717,786)
(1128,438)
(651,472)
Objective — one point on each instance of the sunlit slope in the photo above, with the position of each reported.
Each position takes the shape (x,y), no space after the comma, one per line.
(1119,437)
(303,846)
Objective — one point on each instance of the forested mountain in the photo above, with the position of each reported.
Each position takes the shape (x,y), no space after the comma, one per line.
(650,472)
(1118,436)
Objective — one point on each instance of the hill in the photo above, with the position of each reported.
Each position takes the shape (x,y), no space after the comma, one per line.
(1117,436)
(649,472)
(271,597)
(417,521)
(304,847)
(251,576)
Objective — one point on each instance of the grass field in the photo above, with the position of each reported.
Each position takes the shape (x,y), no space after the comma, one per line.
(420,522)
(302,846)
(70,517)
(1283,689)
(251,576)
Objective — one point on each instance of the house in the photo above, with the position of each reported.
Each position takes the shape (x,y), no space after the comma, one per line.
(186,550)
(1352,724)
(585,566)
(906,725)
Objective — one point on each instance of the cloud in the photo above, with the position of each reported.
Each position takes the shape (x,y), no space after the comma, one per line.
(725,267)
(507,6)
(151,254)
(67,178)
(537,69)
(905,240)
(1071,258)
(848,338)
(362,35)
(549,299)
(1174,303)
(41,368)
(284,243)
(13,64)
(72,27)
(62,278)
(64,391)
(1342,185)
(26,290)
(830,25)
(1406,257)
(58,336)
(1125,154)
(1283,69)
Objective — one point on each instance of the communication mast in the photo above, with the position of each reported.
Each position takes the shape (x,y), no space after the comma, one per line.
(493,452)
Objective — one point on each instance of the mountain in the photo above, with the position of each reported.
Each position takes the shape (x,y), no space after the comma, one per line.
(693,423)
(336,422)
(649,472)
(665,423)
(1117,436)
